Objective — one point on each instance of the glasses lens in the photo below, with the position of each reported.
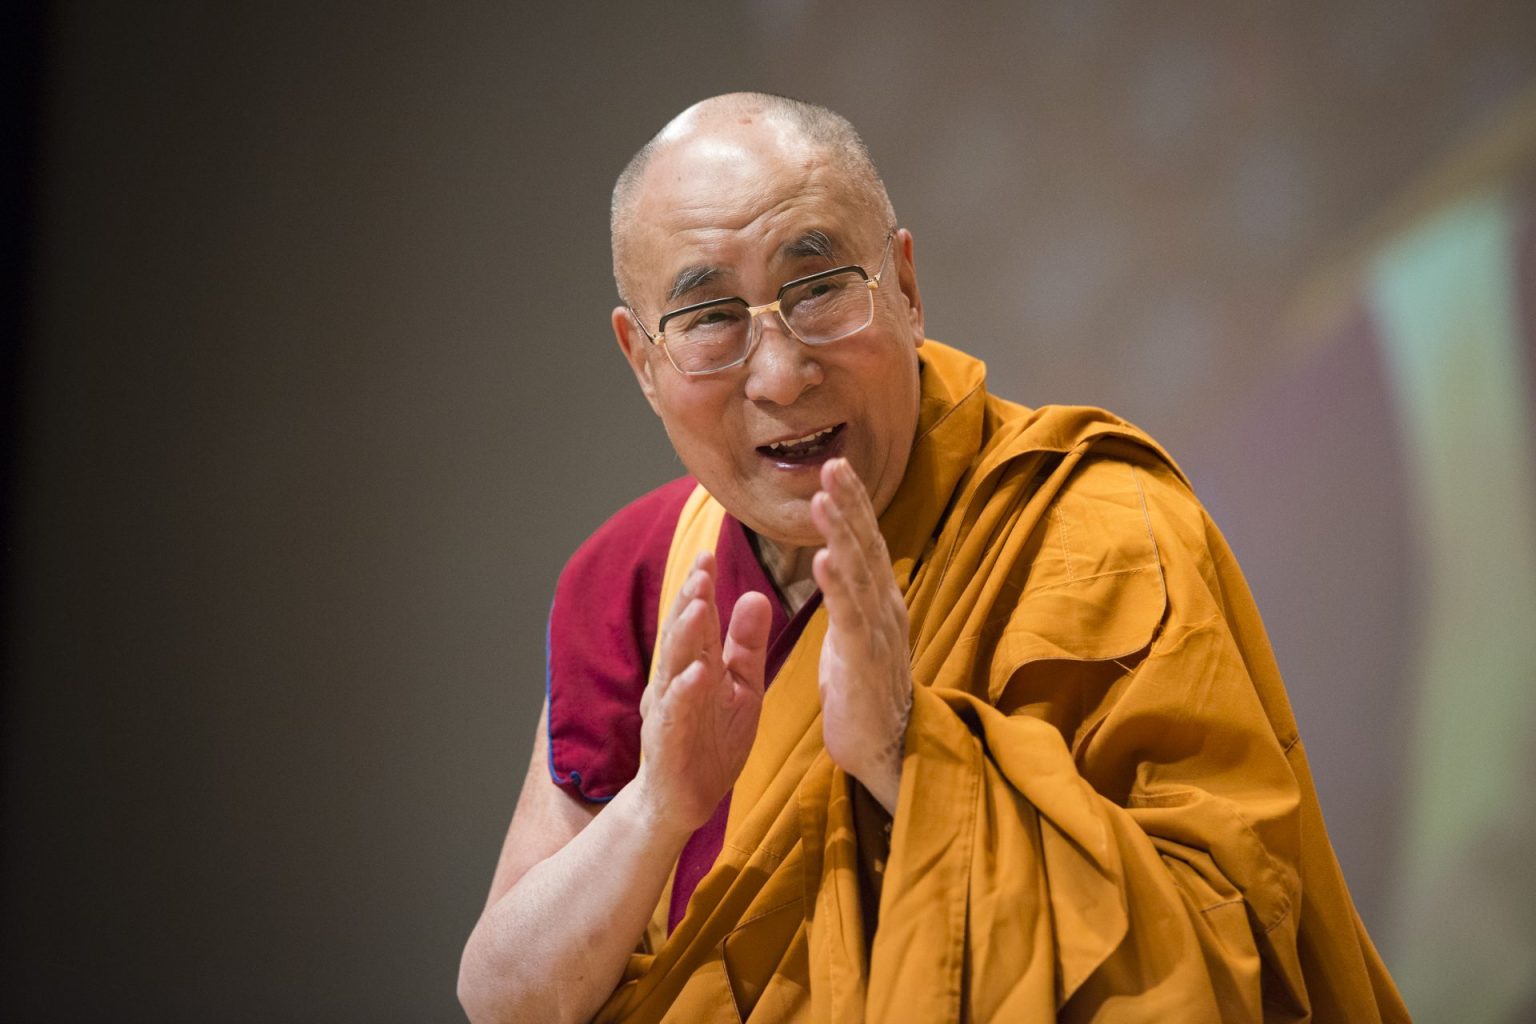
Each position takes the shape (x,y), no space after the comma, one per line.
(708,338)
(829,308)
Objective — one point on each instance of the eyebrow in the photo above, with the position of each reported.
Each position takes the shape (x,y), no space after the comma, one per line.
(813,244)
(691,279)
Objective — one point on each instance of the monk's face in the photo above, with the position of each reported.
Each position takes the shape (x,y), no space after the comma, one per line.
(736,200)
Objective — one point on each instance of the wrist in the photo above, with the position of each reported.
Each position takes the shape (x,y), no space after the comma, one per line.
(883,777)
(883,783)
(658,812)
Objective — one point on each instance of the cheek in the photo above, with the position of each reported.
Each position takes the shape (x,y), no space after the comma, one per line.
(698,423)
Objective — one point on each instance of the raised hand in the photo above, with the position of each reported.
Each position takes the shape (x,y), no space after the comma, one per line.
(866,677)
(699,713)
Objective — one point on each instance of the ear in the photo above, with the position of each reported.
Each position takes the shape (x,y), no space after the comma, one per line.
(906,280)
(637,349)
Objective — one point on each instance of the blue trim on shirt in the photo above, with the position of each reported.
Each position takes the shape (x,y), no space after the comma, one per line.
(573,777)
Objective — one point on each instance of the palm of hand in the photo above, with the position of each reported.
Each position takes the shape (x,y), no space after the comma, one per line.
(866,679)
(865,688)
(699,714)
(698,734)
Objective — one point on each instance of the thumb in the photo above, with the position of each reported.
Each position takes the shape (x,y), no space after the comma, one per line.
(746,640)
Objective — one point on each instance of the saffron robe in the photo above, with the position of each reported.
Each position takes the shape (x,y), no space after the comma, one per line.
(1105,810)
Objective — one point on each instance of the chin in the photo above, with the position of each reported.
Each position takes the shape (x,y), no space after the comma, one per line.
(792,530)
(788,539)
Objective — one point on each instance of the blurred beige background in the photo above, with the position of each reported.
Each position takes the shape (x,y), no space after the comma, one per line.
(317,393)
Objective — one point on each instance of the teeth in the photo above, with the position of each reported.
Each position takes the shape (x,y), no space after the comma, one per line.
(779,446)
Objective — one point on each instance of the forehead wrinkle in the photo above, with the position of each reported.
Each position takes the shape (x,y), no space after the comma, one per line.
(677,211)
(812,244)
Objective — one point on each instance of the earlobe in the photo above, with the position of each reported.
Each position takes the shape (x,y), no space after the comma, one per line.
(906,276)
(636,348)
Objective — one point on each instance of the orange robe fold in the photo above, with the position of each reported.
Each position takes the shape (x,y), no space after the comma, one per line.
(1105,811)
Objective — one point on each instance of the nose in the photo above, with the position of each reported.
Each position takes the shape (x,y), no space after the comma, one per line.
(781,367)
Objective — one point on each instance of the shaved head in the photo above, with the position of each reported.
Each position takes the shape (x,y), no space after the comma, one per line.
(794,126)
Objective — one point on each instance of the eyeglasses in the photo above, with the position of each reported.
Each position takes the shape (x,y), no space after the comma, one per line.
(708,337)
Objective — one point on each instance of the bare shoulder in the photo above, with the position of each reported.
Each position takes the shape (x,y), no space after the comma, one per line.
(546,818)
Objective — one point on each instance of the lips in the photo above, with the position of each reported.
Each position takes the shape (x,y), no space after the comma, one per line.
(816,446)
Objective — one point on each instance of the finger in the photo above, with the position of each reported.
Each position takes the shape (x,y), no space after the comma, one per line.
(848,558)
(703,564)
(746,640)
(683,645)
(691,693)
(675,650)
(843,483)
(675,703)
(855,515)
(686,683)
(702,642)
(846,605)
(828,566)
(709,624)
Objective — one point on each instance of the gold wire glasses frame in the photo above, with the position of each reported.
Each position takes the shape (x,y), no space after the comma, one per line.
(711,336)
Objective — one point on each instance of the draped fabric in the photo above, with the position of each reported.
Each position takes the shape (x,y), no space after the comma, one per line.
(1105,810)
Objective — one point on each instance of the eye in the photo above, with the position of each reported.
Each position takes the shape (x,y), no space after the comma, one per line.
(708,320)
(820,293)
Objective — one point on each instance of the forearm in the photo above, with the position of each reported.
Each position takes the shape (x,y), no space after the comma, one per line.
(883,782)
(554,946)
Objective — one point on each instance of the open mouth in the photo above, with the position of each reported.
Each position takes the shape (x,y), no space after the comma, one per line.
(814,447)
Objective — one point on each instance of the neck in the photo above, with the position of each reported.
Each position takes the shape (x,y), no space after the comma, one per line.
(790,569)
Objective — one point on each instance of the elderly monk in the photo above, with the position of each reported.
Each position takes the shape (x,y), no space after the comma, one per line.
(909,703)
